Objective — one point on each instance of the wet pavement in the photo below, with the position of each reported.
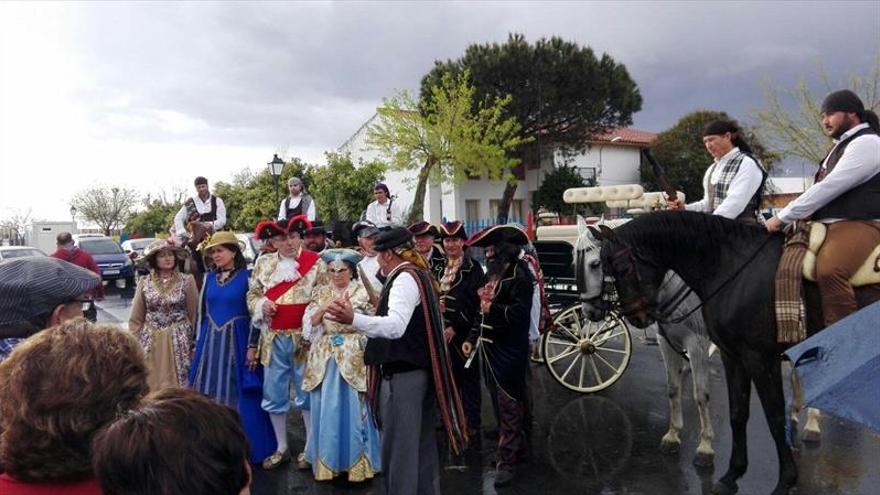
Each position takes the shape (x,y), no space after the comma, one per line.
(607,443)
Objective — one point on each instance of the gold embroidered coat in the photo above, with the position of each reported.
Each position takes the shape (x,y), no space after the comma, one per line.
(337,340)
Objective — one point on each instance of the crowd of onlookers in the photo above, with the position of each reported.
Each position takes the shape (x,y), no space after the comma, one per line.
(196,393)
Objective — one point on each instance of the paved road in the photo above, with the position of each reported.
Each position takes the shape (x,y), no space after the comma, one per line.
(607,444)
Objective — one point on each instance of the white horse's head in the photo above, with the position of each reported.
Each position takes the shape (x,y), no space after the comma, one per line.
(588,269)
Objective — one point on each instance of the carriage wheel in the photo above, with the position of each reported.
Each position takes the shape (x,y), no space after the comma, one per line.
(586,356)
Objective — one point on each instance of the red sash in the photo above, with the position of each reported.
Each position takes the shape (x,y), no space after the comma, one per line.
(288,316)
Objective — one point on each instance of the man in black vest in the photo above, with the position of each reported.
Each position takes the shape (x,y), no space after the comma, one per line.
(204,208)
(845,197)
(298,202)
(409,375)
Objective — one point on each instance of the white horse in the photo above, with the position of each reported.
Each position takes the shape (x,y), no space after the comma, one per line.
(682,341)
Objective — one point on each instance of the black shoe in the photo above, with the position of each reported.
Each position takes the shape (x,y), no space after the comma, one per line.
(503,478)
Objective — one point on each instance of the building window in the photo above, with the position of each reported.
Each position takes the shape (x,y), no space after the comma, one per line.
(588,173)
(471,210)
(516,209)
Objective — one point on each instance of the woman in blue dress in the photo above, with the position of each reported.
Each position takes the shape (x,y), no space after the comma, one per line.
(344,435)
(220,367)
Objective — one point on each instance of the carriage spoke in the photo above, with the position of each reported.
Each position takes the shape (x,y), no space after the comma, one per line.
(603,329)
(606,338)
(566,330)
(581,377)
(605,349)
(555,340)
(613,368)
(595,370)
(568,370)
(568,352)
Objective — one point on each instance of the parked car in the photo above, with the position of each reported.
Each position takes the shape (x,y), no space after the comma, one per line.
(9,252)
(134,248)
(115,265)
(251,249)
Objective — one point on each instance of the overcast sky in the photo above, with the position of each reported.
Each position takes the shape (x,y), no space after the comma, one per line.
(149,95)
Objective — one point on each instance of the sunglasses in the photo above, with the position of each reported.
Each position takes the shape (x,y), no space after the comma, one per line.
(338,270)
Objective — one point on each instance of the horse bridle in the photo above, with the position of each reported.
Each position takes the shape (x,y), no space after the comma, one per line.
(630,306)
(607,298)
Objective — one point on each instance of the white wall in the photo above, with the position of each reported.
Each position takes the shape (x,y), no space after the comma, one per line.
(614,164)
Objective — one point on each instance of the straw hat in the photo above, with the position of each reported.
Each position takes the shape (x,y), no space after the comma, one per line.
(154,248)
(221,238)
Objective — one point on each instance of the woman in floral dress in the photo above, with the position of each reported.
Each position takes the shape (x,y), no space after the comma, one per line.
(163,313)
(344,435)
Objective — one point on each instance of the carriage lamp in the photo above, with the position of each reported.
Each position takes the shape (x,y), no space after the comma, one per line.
(275,168)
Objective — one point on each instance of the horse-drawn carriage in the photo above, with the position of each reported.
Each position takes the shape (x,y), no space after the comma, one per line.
(580,354)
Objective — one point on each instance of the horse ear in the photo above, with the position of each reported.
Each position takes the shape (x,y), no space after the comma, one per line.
(582,225)
(607,233)
(595,233)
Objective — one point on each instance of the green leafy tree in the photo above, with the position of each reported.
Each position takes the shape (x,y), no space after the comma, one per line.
(342,190)
(681,152)
(562,93)
(108,207)
(550,192)
(250,197)
(447,137)
(798,132)
(157,216)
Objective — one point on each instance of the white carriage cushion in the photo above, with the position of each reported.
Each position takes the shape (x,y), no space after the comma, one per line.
(864,276)
(567,233)
(649,200)
(600,194)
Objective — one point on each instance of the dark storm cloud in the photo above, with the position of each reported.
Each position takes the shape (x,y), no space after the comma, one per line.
(309,74)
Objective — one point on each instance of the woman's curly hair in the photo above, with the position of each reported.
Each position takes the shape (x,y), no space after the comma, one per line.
(57,389)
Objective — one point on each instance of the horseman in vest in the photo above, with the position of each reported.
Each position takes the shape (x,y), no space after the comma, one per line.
(280,289)
(198,218)
(298,202)
(845,197)
(203,208)
(409,376)
(733,183)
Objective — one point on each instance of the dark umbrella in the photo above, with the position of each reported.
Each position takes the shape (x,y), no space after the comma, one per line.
(839,368)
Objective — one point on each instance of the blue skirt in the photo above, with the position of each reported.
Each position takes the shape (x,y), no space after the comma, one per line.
(343,436)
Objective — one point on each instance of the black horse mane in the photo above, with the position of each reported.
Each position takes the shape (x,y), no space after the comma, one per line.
(675,232)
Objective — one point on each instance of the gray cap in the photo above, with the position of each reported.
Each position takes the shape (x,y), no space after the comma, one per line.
(364,228)
(34,286)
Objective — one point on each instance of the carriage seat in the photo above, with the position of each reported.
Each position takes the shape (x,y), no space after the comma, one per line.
(868,274)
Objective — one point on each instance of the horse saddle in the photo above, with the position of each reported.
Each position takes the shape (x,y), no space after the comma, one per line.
(868,273)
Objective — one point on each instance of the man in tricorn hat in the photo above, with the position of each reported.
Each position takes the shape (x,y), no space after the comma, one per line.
(459,280)
(409,375)
(425,235)
(844,198)
(280,289)
(502,339)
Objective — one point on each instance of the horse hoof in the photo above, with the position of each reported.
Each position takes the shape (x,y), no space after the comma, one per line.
(669,448)
(704,460)
(721,488)
(810,436)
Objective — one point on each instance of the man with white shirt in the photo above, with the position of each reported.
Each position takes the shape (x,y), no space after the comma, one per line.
(845,197)
(383,212)
(298,202)
(368,266)
(409,375)
(732,185)
(204,208)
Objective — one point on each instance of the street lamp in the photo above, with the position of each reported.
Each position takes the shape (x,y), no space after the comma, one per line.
(275,168)
(73,218)
(601,147)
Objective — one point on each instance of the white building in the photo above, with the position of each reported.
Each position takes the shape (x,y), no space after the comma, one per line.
(612,159)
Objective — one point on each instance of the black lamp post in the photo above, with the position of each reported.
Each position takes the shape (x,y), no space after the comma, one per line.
(73,218)
(275,168)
